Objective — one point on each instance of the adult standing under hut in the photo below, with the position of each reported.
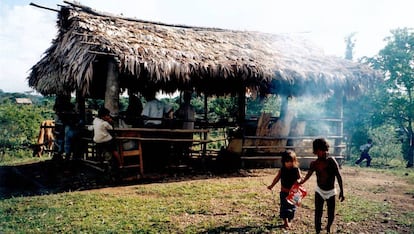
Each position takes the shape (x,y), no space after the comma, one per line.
(131,117)
(186,112)
(185,117)
(66,125)
(155,110)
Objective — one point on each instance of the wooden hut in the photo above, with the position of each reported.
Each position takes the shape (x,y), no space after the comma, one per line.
(98,55)
(24,101)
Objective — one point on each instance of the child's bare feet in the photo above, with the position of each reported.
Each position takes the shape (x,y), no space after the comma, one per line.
(286,225)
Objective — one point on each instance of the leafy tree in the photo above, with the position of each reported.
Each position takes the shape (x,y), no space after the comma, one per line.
(356,122)
(384,154)
(268,104)
(396,61)
(20,124)
(350,45)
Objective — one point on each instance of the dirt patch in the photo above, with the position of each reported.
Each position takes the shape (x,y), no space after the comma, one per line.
(54,177)
(382,188)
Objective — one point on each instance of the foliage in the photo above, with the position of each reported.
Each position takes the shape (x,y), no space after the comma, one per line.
(386,105)
(361,115)
(386,149)
(268,104)
(20,124)
(396,61)
(222,107)
(350,45)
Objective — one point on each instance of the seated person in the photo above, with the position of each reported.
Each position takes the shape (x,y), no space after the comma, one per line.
(131,117)
(101,136)
(186,113)
(155,110)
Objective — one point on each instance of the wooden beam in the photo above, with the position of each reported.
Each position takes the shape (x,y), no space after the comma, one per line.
(42,7)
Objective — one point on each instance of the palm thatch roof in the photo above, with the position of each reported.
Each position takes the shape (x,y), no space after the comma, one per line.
(171,57)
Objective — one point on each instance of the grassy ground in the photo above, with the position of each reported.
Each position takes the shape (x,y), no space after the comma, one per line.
(377,201)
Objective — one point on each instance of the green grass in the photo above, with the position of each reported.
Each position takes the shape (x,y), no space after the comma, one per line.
(17,156)
(358,209)
(145,209)
(239,204)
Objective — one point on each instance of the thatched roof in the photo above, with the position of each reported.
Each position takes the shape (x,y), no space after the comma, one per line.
(171,57)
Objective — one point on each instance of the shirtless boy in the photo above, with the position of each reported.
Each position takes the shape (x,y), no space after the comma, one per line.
(327,170)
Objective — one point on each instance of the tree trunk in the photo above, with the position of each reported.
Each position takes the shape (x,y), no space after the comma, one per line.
(112,89)
(410,156)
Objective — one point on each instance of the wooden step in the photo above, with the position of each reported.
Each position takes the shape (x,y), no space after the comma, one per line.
(131,153)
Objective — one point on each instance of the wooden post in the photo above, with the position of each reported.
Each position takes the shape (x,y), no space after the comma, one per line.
(204,146)
(205,108)
(242,106)
(284,104)
(112,88)
(80,102)
(340,124)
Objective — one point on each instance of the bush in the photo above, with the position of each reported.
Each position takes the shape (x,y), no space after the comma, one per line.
(20,128)
(386,150)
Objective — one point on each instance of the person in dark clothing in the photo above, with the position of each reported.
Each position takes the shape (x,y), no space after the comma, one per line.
(288,174)
(365,153)
(132,115)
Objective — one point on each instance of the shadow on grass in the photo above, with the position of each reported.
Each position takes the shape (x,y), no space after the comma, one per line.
(58,176)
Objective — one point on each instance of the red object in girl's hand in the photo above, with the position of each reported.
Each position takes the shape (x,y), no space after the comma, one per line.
(296,194)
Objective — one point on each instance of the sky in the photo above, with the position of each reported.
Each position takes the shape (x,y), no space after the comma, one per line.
(26,32)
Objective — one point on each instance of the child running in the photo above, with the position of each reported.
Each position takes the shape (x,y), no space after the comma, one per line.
(327,170)
(288,174)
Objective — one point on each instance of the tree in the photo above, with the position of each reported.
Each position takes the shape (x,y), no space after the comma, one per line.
(20,124)
(396,61)
(350,45)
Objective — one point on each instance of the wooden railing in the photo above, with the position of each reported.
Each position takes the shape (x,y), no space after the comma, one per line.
(256,150)
(140,135)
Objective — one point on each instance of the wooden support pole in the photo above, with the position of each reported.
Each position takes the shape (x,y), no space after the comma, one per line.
(80,103)
(112,88)
(242,106)
(284,107)
(339,95)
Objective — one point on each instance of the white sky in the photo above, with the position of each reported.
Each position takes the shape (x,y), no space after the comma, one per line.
(26,31)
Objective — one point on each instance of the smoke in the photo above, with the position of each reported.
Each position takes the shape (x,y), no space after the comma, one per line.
(317,113)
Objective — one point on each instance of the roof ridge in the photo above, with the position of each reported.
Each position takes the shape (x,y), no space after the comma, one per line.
(89,10)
